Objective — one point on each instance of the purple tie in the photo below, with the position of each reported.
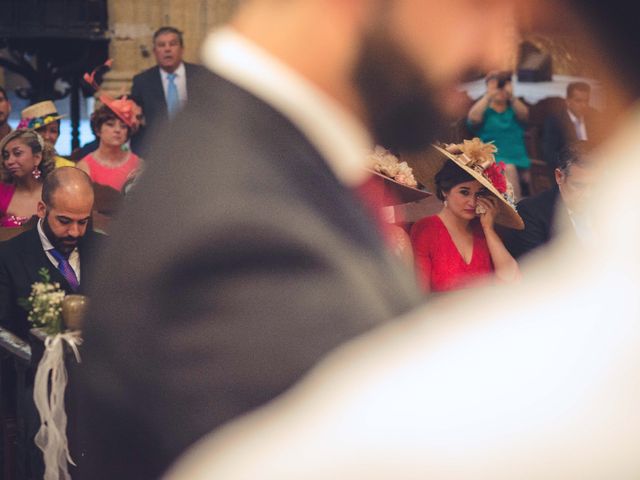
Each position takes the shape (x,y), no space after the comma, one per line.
(65,269)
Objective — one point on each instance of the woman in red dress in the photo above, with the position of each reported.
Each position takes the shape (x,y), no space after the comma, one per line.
(460,245)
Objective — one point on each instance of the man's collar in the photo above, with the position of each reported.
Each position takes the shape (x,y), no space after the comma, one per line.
(573,117)
(46,243)
(180,71)
(337,134)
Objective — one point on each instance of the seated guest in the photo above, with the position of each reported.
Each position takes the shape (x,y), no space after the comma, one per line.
(499,117)
(562,204)
(577,122)
(459,244)
(43,117)
(62,243)
(112,164)
(26,161)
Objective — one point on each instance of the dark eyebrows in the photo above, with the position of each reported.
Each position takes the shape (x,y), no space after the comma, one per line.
(67,219)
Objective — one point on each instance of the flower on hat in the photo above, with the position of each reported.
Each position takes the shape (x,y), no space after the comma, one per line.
(495,174)
(126,109)
(386,163)
(36,122)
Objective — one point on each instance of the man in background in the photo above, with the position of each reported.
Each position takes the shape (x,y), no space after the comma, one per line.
(249,250)
(163,90)
(565,205)
(577,122)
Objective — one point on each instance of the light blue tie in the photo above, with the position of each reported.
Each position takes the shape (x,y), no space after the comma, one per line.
(173,101)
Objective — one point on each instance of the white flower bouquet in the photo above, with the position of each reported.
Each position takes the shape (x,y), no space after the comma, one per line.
(45,304)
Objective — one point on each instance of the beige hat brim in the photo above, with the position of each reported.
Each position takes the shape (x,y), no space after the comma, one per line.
(398,193)
(426,166)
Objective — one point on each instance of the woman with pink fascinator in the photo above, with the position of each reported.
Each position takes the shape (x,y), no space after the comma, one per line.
(112,164)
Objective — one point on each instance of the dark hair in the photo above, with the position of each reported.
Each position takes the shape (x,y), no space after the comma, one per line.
(503,77)
(167,29)
(579,86)
(101,116)
(3,92)
(573,154)
(448,177)
(30,139)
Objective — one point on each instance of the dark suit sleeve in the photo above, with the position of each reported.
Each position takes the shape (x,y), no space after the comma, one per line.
(552,140)
(136,91)
(5,294)
(535,233)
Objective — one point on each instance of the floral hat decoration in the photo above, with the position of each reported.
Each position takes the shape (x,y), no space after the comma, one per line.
(126,109)
(38,115)
(477,159)
(397,176)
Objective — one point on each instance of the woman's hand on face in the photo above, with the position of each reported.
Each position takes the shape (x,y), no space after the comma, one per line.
(490,206)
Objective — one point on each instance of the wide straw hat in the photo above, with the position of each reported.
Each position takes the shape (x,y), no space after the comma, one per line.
(38,115)
(478,160)
(396,178)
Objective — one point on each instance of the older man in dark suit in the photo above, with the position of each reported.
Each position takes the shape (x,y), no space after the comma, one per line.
(249,252)
(62,243)
(578,121)
(563,205)
(164,89)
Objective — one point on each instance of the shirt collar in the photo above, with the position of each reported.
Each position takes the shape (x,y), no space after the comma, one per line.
(573,118)
(46,244)
(340,137)
(180,71)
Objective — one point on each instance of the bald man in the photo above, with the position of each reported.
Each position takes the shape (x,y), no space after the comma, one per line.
(62,242)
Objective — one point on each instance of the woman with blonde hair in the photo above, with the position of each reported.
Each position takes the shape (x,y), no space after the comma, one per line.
(26,161)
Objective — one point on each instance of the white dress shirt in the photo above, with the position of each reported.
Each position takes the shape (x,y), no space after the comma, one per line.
(337,134)
(180,81)
(74,257)
(579,125)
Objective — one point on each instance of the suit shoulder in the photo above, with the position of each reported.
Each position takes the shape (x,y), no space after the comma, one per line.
(18,243)
(146,74)
(542,202)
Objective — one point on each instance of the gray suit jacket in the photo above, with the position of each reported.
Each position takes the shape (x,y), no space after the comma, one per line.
(247,261)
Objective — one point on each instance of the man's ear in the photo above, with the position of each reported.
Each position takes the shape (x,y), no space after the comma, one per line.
(559,176)
(42,209)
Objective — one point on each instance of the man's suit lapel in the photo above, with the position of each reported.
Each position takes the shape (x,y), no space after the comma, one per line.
(157,91)
(569,127)
(35,258)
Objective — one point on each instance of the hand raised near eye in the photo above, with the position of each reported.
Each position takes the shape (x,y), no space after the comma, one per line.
(488,206)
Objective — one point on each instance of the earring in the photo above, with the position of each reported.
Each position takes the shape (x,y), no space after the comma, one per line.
(36,173)
(446,204)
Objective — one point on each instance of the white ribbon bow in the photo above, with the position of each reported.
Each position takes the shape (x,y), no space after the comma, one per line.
(52,435)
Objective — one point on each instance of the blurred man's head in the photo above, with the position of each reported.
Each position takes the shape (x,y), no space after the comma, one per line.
(396,64)
(576,174)
(415,53)
(578,97)
(168,48)
(67,201)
